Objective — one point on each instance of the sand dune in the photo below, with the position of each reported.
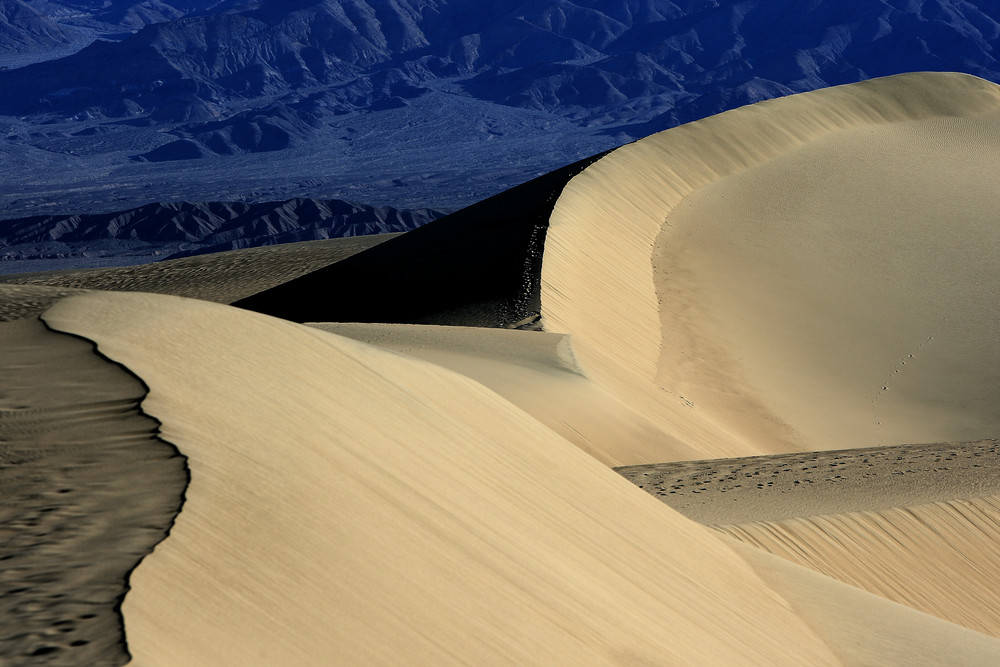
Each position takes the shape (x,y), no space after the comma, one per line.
(537,372)
(785,486)
(450,529)
(87,490)
(811,272)
(477,267)
(916,524)
(940,558)
(876,631)
(793,276)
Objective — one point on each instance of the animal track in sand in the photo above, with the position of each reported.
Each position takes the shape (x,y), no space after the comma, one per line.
(893,374)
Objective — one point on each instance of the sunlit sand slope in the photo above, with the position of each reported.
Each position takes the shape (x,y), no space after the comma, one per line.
(817,271)
(941,558)
(351,506)
(877,632)
(537,372)
(916,524)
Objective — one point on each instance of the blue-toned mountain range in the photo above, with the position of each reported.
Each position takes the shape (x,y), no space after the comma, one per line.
(410,103)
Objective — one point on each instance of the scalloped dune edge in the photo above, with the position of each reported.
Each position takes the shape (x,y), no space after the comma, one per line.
(722,336)
(348,505)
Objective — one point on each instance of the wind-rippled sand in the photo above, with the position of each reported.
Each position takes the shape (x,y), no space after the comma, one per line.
(916,524)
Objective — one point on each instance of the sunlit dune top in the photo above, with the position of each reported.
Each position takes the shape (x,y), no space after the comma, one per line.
(809,272)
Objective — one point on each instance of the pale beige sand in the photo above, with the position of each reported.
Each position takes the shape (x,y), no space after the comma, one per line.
(351,506)
(916,524)
(348,505)
(940,558)
(817,271)
(223,277)
(538,373)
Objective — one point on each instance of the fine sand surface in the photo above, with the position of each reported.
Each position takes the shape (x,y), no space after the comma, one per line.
(807,282)
(400,509)
(537,372)
(916,524)
(451,529)
(940,558)
(812,272)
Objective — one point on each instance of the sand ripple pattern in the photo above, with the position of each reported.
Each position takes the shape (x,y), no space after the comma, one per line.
(941,558)
(88,490)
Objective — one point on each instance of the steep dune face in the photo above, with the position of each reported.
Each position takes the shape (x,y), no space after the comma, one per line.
(939,558)
(805,273)
(351,506)
(877,631)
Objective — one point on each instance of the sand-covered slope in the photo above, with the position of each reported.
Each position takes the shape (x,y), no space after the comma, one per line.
(939,558)
(223,276)
(917,524)
(812,272)
(87,490)
(537,372)
(350,506)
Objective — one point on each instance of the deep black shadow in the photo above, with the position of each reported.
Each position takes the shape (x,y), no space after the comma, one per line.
(479,266)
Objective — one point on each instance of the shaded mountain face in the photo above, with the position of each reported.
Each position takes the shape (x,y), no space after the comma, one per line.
(23,29)
(187,228)
(312,98)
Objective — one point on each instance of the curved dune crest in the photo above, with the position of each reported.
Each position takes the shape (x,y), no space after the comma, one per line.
(537,372)
(757,281)
(351,506)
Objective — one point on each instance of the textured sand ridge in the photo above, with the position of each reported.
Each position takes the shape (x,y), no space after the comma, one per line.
(916,524)
(940,558)
(811,272)
(452,528)
(537,372)
(783,486)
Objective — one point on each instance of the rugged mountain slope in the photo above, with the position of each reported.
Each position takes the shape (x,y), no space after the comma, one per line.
(22,28)
(619,60)
(202,227)
(424,102)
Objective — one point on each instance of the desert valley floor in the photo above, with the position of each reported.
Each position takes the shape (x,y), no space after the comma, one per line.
(726,395)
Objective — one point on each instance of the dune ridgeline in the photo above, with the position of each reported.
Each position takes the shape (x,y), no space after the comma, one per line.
(725,395)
